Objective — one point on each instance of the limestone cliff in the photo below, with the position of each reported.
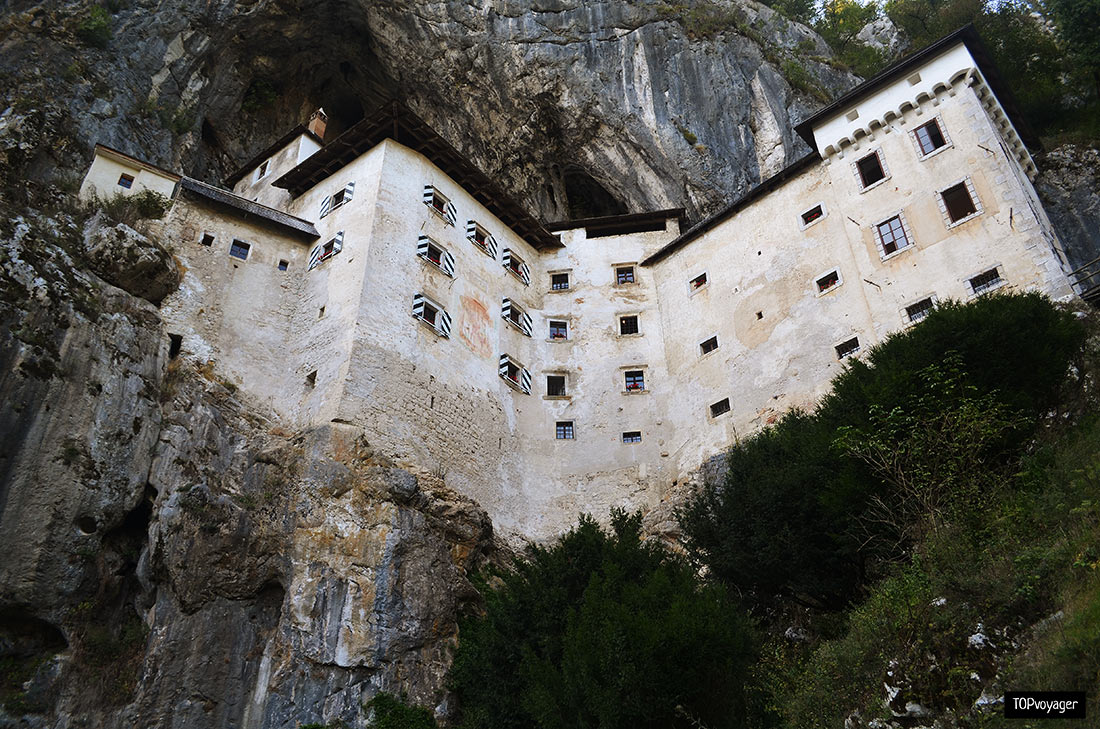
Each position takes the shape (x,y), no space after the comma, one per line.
(577,107)
(172,558)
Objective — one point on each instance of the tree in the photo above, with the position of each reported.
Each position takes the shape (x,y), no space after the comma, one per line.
(1078,23)
(602,630)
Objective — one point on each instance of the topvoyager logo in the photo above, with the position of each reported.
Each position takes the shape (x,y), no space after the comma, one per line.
(1044,704)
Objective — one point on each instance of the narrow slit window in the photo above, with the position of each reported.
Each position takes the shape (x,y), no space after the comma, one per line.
(559,281)
(261,171)
(239,249)
(720,408)
(555,385)
(958,202)
(986,281)
(848,348)
(828,281)
(628,324)
(125,180)
(175,344)
(624,275)
(698,282)
(921,309)
(559,329)
(929,137)
(812,215)
(870,169)
(632,436)
(709,345)
(635,380)
(563,430)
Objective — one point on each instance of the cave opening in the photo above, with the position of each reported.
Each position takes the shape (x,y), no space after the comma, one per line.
(587,198)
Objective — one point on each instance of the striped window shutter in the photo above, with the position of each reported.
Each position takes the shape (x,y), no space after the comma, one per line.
(506,258)
(471,228)
(326,205)
(443,323)
(525,380)
(429,193)
(349,191)
(506,309)
(503,368)
(422,246)
(447,263)
(314,258)
(338,242)
(452,214)
(491,244)
(525,273)
(418,305)
(525,323)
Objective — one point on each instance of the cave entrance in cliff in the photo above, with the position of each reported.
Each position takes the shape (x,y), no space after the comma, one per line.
(587,198)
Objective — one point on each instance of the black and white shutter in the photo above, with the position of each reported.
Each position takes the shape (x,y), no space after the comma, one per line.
(349,191)
(422,246)
(447,263)
(451,213)
(429,195)
(326,205)
(443,323)
(502,370)
(491,244)
(525,323)
(525,273)
(525,380)
(315,257)
(471,229)
(506,258)
(418,306)
(506,309)
(338,243)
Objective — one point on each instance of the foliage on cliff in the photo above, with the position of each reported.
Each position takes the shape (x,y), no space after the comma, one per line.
(602,630)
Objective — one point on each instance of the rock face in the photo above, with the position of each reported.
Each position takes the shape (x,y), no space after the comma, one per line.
(174,559)
(578,108)
(1069,185)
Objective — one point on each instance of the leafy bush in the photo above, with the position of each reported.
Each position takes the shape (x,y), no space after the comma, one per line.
(391,712)
(129,209)
(601,630)
(95,30)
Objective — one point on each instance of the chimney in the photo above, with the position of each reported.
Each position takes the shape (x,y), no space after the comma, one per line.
(317,123)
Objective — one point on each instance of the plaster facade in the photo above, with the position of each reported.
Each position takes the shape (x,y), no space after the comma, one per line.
(394,320)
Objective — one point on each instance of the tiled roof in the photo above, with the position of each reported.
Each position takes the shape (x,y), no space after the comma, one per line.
(241,205)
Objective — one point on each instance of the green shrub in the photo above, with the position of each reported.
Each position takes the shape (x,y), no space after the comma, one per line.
(390,712)
(95,30)
(602,630)
(129,209)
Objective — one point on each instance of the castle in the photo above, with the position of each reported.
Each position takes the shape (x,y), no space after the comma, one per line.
(379,282)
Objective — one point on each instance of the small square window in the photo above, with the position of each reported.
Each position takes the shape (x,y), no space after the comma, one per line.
(429,314)
(480,236)
(698,282)
(921,309)
(339,198)
(434,254)
(624,275)
(262,170)
(559,281)
(555,385)
(512,371)
(709,345)
(239,249)
(559,329)
(284,265)
(828,281)
(628,324)
(986,281)
(635,380)
(563,430)
(720,408)
(632,436)
(870,169)
(891,234)
(929,137)
(515,265)
(848,348)
(207,239)
(440,204)
(958,202)
(812,215)
(125,180)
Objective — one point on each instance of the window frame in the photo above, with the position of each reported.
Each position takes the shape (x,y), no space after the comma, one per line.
(848,352)
(818,291)
(947,143)
(568,281)
(637,373)
(910,242)
(550,329)
(717,404)
(130,180)
(991,286)
(487,243)
(803,225)
(693,287)
(263,170)
(877,152)
(703,352)
(630,437)
(446,262)
(565,430)
(564,394)
(446,210)
(207,234)
(618,267)
(637,324)
(522,381)
(440,321)
(238,243)
(516,316)
(516,266)
(907,317)
(968,185)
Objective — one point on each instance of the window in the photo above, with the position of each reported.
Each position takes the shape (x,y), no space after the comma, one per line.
(892,235)
(481,238)
(870,169)
(559,329)
(440,204)
(261,171)
(515,374)
(432,314)
(559,281)
(957,202)
(698,282)
(311,379)
(720,408)
(125,180)
(708,346)
(991,279)
(339,198)
(284,265)
(239,249)
(847,348)
(207,239)
(632,436)
(828,281)
(516,266)
(563,430)
(435,254)
(635,380)
(929,138)
(175,344)
(516,316)
(322,253)
(916,312)
(628,324)
(624,275)
(555,385)
(812,215)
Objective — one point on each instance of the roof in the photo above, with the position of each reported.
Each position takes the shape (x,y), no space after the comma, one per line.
(275,146)
(774,182)
(112,152)
(621,224)
(238,204)
(395,121)
(965,35)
